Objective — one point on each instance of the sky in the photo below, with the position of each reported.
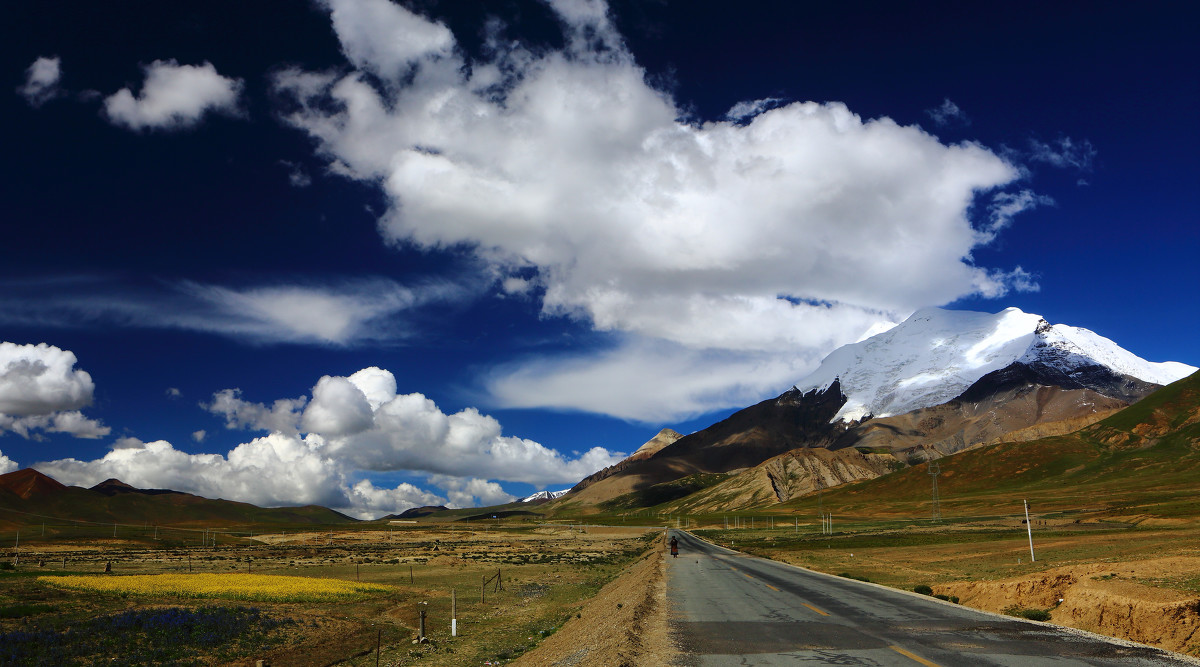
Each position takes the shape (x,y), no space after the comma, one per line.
(374,255)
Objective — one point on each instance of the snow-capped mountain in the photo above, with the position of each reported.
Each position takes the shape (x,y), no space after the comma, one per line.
(544,495)
(935,355)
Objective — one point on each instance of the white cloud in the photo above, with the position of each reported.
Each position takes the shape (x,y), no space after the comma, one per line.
(473,492)
(342,312)
(283,416)
(516,285)
(174,392)
(948,112)
(384,38)
(674,381)
(296,176)
(40,380)
(338,314)
(1005,205)
(41,81)
(567,165)
(174,96)
(358,423)
(409,432)
(7,465)
(338,408)
(364,424)
(200,435)
(366,501)
(40,390)
(747,109)
(71,422)
(1065,153)
(272,470)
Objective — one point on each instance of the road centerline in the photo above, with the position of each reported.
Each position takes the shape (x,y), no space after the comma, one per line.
(814,608)
(913,656)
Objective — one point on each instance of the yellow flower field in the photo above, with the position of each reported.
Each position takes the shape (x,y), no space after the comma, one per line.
(233,586)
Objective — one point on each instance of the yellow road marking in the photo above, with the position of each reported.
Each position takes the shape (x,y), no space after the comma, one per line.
(763,583)
(815,609)
(913,656)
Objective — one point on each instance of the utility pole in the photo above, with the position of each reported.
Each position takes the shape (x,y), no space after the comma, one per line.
(1029,529)
(821,503)
(934,470)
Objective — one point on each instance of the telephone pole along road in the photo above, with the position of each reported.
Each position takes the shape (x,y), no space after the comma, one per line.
(728,608)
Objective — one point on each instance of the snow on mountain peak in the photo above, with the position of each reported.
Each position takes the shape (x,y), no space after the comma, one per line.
(936,354)
(544,495)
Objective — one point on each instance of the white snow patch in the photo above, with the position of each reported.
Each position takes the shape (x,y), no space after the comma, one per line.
(545,495)
(936,354)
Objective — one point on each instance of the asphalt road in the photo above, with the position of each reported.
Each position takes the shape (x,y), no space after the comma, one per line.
(728,608)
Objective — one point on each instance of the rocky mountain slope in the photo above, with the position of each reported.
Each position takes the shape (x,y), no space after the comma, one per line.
(940,382)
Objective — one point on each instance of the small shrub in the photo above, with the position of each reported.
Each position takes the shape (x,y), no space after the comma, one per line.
(923,589)
(1027,612)
(941,596)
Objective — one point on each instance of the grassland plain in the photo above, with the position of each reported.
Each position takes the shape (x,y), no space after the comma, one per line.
(546,573)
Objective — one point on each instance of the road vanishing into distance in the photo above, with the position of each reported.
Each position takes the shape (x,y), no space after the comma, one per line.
(728,608)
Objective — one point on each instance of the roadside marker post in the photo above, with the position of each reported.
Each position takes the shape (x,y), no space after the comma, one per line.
(1029,529)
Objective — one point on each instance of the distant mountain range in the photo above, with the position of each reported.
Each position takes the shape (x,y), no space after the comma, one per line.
(938,383)
(27,496)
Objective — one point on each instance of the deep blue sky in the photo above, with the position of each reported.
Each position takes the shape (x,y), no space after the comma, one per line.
(111,232)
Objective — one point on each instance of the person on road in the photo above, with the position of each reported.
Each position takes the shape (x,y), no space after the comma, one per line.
(674,547)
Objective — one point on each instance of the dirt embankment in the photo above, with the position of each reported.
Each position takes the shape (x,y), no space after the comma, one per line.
(1108,599)
(624,625)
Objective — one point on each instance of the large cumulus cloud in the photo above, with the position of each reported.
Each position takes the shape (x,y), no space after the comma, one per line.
(784,228)
(41,390)
(318,449)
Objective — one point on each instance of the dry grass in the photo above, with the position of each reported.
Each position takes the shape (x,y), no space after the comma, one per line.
(547,573)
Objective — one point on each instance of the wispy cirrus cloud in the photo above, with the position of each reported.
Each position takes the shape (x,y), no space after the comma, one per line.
(336,312)
(948,113)
(1064,153)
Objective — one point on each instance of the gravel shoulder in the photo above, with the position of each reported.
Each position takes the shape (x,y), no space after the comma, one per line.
(625,624)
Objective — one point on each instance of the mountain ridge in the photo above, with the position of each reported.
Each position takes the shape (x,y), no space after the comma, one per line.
(29,491)
(968,379)
(935,355)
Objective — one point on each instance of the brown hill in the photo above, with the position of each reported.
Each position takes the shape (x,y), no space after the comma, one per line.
(28,493)
(745,439)
(28,483)
(784,477)
(651,447)
(415,512)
